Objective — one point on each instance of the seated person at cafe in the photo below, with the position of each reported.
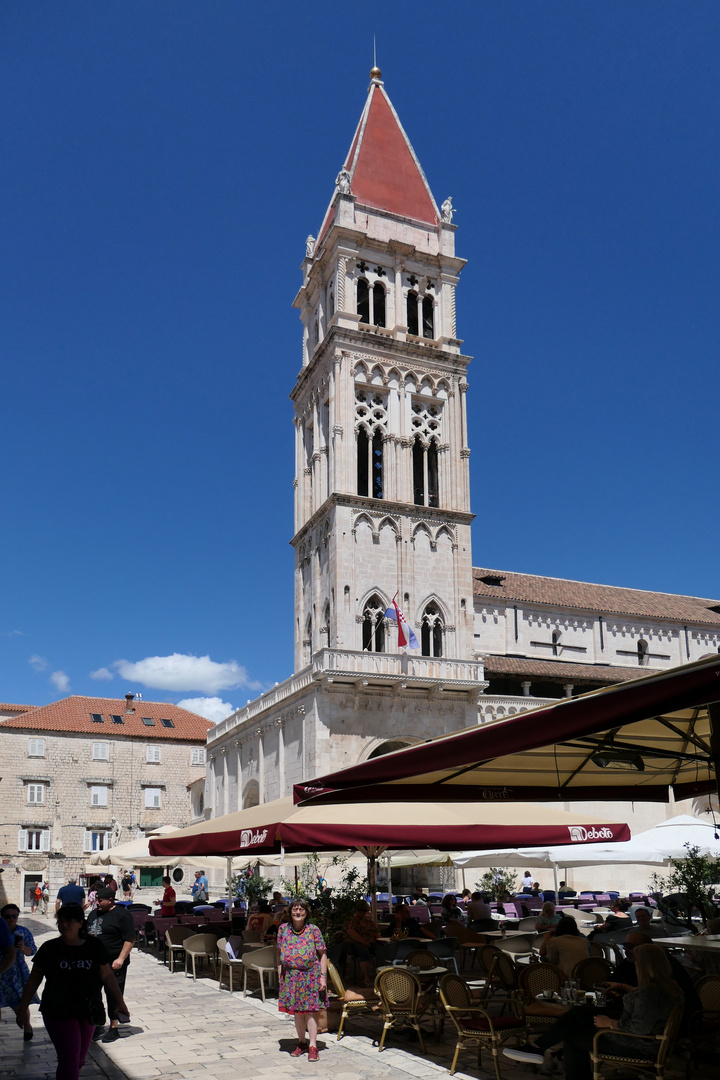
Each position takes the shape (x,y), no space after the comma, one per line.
(644,923)
(644,1012)
(360,934)
(479,913)
(418,897)
(564,892)
(624,978)
(615,922)
(536,890)
(261,919)
(450,910)
(564,945)
(547,919)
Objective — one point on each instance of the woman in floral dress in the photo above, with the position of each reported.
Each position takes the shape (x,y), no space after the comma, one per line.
(12,981)
(302,975)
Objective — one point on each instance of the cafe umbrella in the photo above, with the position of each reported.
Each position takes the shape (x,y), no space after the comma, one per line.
(637,741)
(374,828)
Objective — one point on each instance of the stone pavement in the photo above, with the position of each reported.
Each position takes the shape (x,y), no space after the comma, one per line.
(185,1030)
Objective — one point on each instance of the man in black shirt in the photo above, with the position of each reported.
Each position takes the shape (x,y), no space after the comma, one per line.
(114,926)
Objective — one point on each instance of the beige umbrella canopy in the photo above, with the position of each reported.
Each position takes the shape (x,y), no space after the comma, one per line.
(634,741)
(376,827)
(136,853)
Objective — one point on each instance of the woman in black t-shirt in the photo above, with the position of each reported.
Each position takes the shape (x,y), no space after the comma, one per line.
(74,967)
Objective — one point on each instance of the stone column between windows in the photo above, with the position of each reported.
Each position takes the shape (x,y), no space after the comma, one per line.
(315,456)
(332,436)
(226,807)
(282,781)
(465,452)
(347,380)
(238,770)
(404,492)
(399,314)
(261,769)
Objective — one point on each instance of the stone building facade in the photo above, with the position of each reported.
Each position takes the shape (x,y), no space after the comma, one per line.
(84,774)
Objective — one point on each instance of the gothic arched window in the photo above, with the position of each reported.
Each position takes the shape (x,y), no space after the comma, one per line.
(363,300)
(431,629)
(412,313)
(326,626)
(428,318)
(307,641)
(642,653)
(370,464)
(555,642)
(378,304)
(373,625)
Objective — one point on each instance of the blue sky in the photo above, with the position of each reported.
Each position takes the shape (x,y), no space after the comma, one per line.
(163,164)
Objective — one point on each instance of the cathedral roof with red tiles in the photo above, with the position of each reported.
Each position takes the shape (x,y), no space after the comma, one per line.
(148,719)
(603,599)
(384,171)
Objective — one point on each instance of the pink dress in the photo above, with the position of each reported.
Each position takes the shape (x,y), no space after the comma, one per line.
(299,956)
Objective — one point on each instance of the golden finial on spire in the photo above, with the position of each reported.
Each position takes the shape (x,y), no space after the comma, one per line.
(375,72)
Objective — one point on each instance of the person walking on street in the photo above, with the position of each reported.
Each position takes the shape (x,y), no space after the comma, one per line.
(74,967)
(126,882)
(12,981)
(72,893)
(200,888)
(302,975)
(114,927)
(45,897)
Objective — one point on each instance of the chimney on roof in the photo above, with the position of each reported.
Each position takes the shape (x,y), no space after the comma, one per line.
(129,698)
(128,703)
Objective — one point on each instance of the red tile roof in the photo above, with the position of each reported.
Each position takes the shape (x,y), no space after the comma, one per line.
(557,669)
(15,708)
(74,714)
(603,599)
(384,172)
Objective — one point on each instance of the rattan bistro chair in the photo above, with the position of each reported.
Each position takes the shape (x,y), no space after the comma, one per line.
(591,971)
(658,1045)
(353,1000)
(476,1026)
(534,980)
(401,997)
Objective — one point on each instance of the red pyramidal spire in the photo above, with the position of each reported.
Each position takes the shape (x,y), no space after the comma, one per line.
(383,169)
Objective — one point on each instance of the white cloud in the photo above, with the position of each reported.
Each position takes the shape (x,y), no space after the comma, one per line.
(39,663)
(181,672)
(102,673)
(60,681)
(212,708)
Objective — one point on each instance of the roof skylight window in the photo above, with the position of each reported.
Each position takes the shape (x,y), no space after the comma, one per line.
(167,723)
(148,721)
(97,718)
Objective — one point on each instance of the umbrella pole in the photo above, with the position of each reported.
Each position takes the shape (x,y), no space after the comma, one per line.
(389,877)
(372,882)
(714,714)
(463,878)
(229,886)
(555,879)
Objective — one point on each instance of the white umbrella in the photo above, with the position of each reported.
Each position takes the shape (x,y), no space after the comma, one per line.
(653,847)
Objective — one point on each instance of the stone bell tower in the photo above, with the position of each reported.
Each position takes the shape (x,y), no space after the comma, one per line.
(382,494)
